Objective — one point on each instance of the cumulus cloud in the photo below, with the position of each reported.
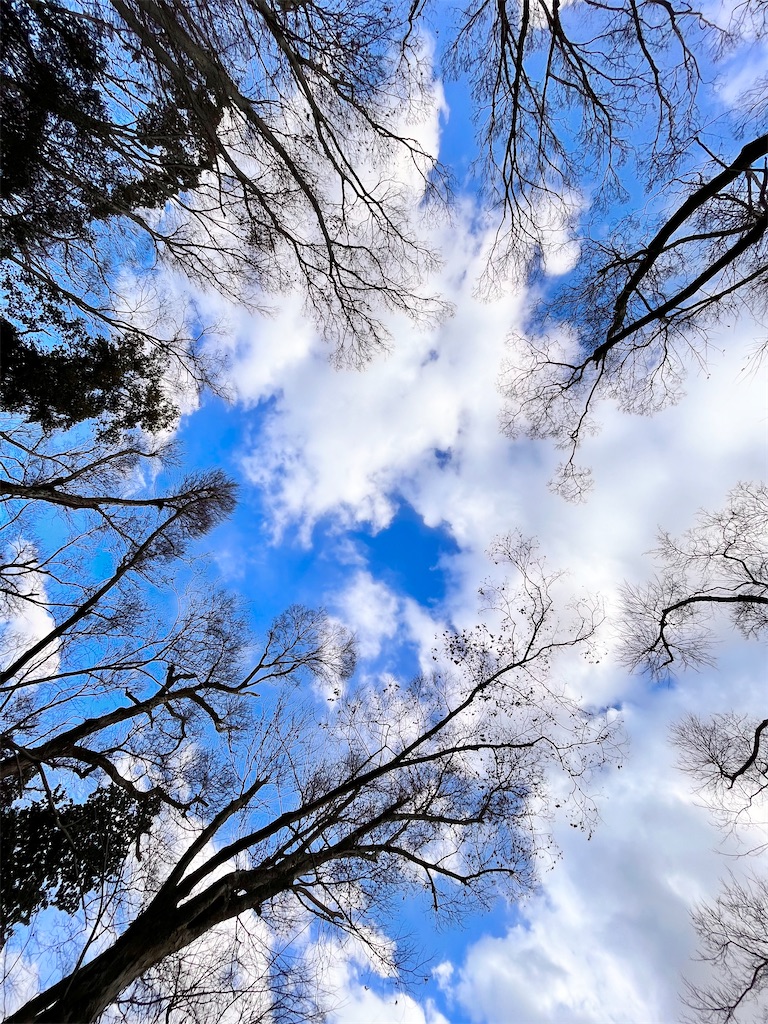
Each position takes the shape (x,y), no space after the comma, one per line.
(608,937)
(370,609)
(345,442)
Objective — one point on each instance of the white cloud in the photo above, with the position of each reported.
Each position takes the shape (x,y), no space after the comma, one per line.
(370,609)
(609,937)
(25,621)
(358,1002)
(742,86)
(343,442)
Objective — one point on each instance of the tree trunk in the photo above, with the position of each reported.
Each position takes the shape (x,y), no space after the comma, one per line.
(162,929)
(81,997)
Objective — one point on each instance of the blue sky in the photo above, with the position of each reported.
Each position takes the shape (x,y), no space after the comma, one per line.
(377,494)
(344,503)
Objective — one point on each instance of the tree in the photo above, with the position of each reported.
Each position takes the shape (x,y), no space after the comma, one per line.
(239,144)
(650,280)
(64,170)
(721,564)
(726,757)
(117,383)
(247,146)
(277,803)
(733,937)
(640,316)
(623,72)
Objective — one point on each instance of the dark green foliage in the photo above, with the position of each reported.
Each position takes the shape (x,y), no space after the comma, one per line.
(69,158)
(54,852)
(50,110)
(116,382)
(73,159)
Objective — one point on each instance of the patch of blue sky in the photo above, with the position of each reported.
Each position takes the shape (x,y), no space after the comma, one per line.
(411,557)
(457,139)
(427,943)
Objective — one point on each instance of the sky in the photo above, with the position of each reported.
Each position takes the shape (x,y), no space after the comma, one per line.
(377,494)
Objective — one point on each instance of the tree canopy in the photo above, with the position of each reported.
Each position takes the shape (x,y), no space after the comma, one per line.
(717,568)
(244,797)
(239,143)
(246,145)
(204,791)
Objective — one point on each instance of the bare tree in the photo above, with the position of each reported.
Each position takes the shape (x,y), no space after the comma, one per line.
(639,317)
(651,279)
(102,638)
(246,144)
(278,804)
(721,564)
(732,933)
(249,146)
(726,758)
(630,76)
(613,67)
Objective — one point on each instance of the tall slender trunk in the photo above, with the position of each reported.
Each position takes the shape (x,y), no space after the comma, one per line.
(163,928)
(89,990)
